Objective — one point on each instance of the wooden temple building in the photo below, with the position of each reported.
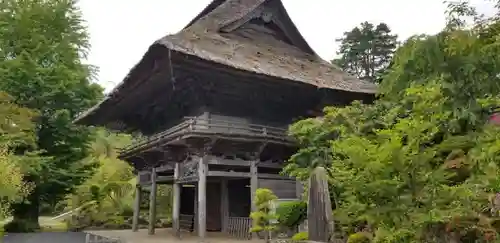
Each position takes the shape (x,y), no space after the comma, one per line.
(213,102)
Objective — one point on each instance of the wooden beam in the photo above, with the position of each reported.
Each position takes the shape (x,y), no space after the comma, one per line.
(274,177)
(214,160)
(165,178)
(247,175)
(229,174)
(152,203)
(269,165)
(165,167)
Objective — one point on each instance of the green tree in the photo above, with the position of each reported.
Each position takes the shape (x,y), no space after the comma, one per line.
(263,217)
(16,129)
(110,190)
(113,176)
(421,163)
(42,45)
(366,51)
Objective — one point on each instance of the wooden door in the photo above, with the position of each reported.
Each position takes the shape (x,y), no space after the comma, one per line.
(214,221)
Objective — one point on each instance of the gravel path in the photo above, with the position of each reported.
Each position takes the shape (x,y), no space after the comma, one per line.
(166,236)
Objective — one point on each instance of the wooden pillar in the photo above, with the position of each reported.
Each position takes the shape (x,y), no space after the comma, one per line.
(224,205)
(202,198)
(152,203)
(177,202)
(254,184)
(195,216)
(299,189)
(137,207)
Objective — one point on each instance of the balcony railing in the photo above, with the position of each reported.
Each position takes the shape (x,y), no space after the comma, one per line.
(204,126)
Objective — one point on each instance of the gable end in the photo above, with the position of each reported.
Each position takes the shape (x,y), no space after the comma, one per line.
(271,17)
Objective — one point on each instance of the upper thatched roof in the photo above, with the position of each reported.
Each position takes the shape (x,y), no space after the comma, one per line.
(224,33)
(207,37)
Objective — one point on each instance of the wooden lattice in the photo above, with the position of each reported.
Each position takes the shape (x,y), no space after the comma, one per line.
(239,227)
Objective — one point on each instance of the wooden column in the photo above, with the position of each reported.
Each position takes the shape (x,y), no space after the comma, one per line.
(195,216)
(177,202)
(202,198)
(152,203)
(137,207)
(224,205)
(254,184)
(299,189)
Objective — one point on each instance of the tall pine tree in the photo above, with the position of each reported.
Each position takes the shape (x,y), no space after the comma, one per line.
(366,51)
(42,43)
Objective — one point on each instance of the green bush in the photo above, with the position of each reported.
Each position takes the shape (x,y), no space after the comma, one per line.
(127,212)
(23,226)
(301,236)
(359,237)
(291,214)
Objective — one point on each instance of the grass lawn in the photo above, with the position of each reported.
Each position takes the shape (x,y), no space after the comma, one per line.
(46,224)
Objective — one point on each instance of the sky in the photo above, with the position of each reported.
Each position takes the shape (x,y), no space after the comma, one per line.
(122,30)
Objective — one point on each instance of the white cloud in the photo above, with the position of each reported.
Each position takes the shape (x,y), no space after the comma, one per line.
(122,30)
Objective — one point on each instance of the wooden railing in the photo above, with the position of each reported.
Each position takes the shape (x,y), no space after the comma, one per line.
(239,227)
(212,126)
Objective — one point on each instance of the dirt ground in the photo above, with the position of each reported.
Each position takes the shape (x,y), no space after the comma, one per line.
(166,236)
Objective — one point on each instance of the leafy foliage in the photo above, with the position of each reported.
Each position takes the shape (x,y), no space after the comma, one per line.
(291,214)
(411,172)
(421,163)
(42,43)
(359,237)
(263,218)
(366,51)
(12,186)
(16,130)
(110,191)
(301,236)
(16,127)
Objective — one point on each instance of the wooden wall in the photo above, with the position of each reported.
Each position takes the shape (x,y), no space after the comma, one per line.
(226,121)
(283,189)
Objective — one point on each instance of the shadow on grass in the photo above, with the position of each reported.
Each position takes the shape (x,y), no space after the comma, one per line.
(46,225)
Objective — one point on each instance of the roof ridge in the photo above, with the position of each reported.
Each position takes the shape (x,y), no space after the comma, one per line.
(223,14)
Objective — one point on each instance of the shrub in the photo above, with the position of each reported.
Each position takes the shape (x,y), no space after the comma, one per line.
(291,214)
(301,236)
(359,237)
(263,217)
(20,226)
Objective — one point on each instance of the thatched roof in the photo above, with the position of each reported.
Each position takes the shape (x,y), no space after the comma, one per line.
(204,37)
(219,34)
